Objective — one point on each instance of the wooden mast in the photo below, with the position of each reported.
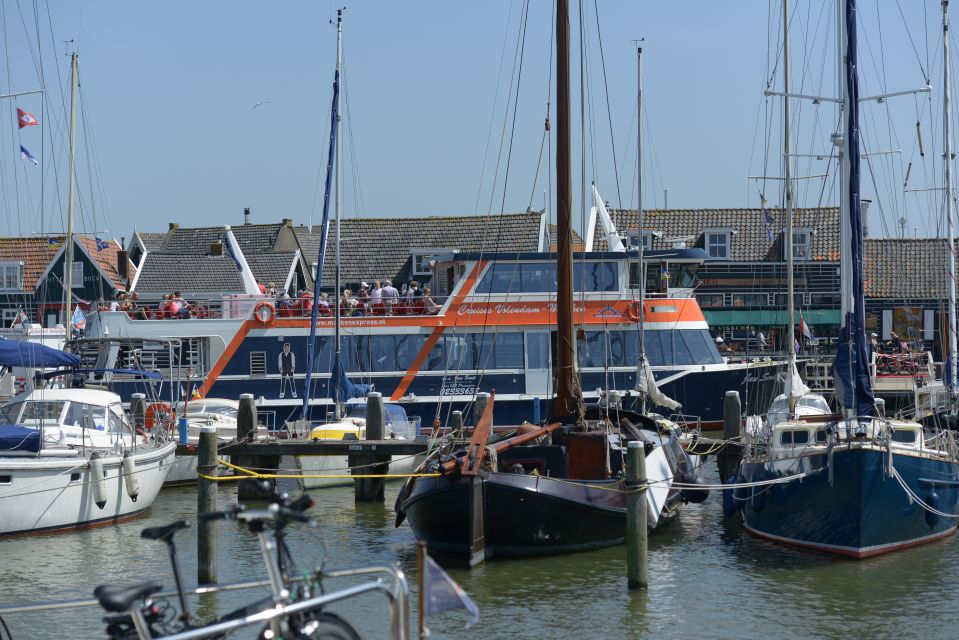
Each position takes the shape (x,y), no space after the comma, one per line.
(564,404)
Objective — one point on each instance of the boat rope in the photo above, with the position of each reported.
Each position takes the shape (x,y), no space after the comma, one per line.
(243,473)
(912,495)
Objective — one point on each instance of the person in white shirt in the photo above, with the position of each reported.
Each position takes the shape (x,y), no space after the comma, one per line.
(390,296)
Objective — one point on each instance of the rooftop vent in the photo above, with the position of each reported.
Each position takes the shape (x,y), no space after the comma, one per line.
(246,216)
(216,249)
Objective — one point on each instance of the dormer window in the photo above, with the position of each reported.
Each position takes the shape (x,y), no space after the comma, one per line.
(421,260)
(11,275)
(802,244)
(717,243)
(647,239)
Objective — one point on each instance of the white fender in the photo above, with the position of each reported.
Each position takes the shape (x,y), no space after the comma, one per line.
(129,468)
(98,482)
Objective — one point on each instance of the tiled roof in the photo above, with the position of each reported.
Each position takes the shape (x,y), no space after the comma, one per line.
(906,268)
(380,248)
(271,267)
(749,243)
(152,241)
(107,259)
(167,272)
(35,253)
(252,238)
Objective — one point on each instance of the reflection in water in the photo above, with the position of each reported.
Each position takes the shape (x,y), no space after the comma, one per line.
(707,578)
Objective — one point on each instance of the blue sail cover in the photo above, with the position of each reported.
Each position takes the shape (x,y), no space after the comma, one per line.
(20,353)
(850,369)
(14,437)
(341,387)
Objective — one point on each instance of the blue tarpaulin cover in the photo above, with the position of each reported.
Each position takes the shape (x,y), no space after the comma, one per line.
(20,353)
(14,437)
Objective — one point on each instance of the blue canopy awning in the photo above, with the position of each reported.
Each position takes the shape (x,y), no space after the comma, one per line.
(20,353)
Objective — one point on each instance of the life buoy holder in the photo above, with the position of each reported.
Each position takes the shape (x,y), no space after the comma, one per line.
(159,413)
(264,312)
(633,311)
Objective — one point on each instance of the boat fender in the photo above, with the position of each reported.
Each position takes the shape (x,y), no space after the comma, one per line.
(632,311)
(932,500)
(729,503)
(98,480)
(264,312)
(759,498)
(696,494)
(129,468)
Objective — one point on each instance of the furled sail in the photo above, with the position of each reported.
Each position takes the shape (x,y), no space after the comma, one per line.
(646,385)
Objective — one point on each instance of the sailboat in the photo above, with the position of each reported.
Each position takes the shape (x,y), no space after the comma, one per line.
(558,487)
(859,485)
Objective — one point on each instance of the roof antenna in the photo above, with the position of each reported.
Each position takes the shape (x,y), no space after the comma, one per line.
(66,45)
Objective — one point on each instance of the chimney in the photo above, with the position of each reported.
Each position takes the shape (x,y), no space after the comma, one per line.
(246,215)
(216,249)
(174,225)
(287,222)
(122,259)
(864,213)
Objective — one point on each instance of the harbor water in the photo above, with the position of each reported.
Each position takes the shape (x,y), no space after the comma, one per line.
(708,578)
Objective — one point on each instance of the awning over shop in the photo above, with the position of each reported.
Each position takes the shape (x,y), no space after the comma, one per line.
(768,317)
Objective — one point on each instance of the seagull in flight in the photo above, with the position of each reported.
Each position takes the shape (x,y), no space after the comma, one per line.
(260,103)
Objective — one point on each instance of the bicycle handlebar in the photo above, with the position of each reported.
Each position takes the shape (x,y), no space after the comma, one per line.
(273,513)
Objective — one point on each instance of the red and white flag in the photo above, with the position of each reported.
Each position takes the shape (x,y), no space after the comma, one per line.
(804,328)
(25,119)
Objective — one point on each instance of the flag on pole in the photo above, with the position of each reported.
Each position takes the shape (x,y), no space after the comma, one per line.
(25,119)
(79,321)
(22,320)
(26,155)
(441,593)
(804,328)
(54,243)
(101,244)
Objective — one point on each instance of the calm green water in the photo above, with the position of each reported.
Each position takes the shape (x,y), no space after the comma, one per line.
(708,579)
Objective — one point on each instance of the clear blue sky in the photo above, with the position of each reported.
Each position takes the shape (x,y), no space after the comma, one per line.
(168,89)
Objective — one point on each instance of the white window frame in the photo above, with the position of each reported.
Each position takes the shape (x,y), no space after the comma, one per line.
(420,259)
(711,235)
(798,234)
(76,275)
(647,239)
(16,267)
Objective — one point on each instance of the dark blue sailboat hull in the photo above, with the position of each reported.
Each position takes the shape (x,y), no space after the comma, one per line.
(863,513)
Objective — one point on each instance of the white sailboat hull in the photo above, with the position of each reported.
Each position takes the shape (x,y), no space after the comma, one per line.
(47,493)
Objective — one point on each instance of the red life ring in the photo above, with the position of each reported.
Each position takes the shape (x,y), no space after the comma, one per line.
(159,413)
(264,312)
(633,311)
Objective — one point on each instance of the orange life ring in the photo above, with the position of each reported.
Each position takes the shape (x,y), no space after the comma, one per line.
(633,311)
(264,312)
(159,413)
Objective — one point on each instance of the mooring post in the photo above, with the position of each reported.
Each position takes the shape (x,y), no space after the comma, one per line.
(477,521)
(206,501)
(371,489)
(456,425)
(637,562)
(246,420)
(138,410)
(479,406)
(728,458)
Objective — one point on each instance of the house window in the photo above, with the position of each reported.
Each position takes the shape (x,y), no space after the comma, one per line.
(710,300)
(750,299)
(825,299)
(11,276)
(717,244)
(76,276)
(802,244)
(258,363)
(647,239)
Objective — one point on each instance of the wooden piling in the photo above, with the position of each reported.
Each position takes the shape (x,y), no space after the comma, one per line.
(138,410)
(206,501)
(479,406)
(371,489)
(728,458)
(246,420)
(637,561)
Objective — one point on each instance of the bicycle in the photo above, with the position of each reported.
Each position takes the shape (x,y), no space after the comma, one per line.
(285,615)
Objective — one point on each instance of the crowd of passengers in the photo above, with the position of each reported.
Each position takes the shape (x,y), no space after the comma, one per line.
(378,300)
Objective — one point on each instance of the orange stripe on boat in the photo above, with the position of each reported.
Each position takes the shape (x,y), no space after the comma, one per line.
(225,357)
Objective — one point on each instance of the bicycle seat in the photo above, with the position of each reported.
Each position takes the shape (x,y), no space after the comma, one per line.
(164,533)
(117,598)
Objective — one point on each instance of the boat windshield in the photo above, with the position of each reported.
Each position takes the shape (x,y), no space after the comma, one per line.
(34,412)
(394,412)
(219,408)
(814,402)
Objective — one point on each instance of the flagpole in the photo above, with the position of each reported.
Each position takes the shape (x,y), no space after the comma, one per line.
(424,631)
(68,255)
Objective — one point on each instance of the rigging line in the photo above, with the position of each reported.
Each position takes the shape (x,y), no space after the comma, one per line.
(359,202)
(512,132)
(911,40)
(609,112)
(26,33)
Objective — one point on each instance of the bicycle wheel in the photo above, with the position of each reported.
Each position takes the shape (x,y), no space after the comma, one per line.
(318,625)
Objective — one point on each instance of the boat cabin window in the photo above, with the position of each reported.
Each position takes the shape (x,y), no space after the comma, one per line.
(820,436)
(36,411)
(794,437)
(663,348)
(539,277)
(905,436)
(86,416)
(477,351)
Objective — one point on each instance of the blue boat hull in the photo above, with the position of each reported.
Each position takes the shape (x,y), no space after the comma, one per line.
(863,513)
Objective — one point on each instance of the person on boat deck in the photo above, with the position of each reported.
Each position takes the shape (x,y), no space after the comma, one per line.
(117,301)
(347,303)
(429,306)
(323,304)
(185,309)
(261,286)
(376,293)
(390,296)
(286,362)
(271,290)
(874,343)
(895,343)
(761,341)
(363,299)
(137,310)
(305,302)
